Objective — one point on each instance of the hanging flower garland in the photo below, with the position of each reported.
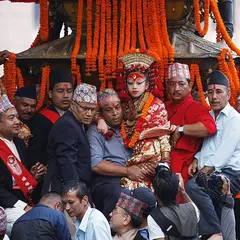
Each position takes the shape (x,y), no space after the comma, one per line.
(128,27)
(114,37)
(130,142)
(201,31)
(146,26)
(224,67)
(10,74)
(134,24)
(44,30)
(122,28)
(77,40)
(219,35)
(20,78)
(140,24)
(79,77)
(101,67)
(165,36)
(194,70)
(96,36)
(45,77)
(89,38)
(222,27)
(108,39)
(37,40)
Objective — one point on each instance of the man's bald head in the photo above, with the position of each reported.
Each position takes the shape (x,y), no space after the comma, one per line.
(53,200)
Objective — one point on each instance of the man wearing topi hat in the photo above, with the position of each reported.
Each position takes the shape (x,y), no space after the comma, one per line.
(219,156)
(68,147)
(192,119)
(126,217)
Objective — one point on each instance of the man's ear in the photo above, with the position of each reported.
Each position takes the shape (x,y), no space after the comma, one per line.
(127,220)
(85,200)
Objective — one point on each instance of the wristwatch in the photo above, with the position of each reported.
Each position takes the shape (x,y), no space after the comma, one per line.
(180,129)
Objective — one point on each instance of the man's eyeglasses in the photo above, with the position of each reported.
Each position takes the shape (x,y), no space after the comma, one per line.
(86,109)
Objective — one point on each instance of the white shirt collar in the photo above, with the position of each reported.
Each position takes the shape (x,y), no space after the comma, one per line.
(226,110)
(84,222)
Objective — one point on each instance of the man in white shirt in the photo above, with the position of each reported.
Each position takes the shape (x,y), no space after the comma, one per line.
(220,153)
(90,223)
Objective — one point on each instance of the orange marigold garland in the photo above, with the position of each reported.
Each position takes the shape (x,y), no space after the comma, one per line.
(222,27)
(130,142)
(128,27)
(10,74)
(96,36)
(44,30)
(20,78)
(77,40)
(223,66)
(89,38)
(122,27)
(201,31)
(101,67)
(108,39)
(45,77)
(140,24)
(37,40)
(194,70)
(165,36)
(134,24)
(114,37)
(219,35)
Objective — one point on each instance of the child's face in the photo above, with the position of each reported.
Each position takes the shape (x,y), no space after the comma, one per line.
(136,84)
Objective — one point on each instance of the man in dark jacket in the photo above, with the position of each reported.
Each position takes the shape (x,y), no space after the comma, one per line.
(45,221)
(60,94)
(68,148)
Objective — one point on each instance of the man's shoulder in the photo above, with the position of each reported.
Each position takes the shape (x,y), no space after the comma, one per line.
(97,217)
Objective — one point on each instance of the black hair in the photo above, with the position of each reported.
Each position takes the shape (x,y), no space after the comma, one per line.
(165,185)
(79,187)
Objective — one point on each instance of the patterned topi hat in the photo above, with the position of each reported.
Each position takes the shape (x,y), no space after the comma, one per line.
(85,93)
(132,205)
(178,70)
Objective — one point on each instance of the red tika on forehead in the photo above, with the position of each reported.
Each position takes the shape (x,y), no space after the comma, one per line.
(214,86)
(135,75)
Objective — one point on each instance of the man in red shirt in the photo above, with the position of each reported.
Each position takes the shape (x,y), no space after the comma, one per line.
(191,117)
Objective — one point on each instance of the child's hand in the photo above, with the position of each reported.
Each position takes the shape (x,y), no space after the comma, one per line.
(102,127)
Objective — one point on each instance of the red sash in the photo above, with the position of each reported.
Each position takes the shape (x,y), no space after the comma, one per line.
(23,178)
(50,115)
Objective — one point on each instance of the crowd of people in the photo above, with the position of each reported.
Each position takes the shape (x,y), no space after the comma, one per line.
(120,164)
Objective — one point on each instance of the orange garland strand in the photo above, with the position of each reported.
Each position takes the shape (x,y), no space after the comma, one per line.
(219,35)
(229,72)
(136,134)
(108,39)
(140,24)
(96,35)
(20,78)
(10,74)
(128,27)
(222,27)
(122,27)
(44,30)
(45,77)
(114,37)
(194,70)
(102,76)
(77,40)
(201,31)
(89,38)
(134,24)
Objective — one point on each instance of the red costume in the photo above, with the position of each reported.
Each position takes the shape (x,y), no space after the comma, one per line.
(187,111)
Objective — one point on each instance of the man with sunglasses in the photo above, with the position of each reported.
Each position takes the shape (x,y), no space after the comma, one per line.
(68,148)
